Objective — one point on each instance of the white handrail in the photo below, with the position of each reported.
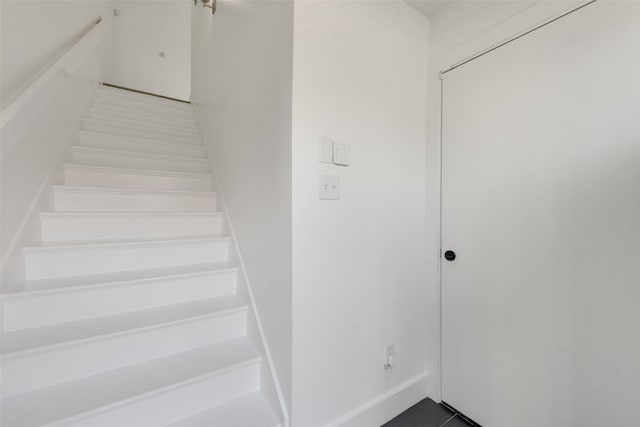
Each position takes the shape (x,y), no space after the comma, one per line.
(69,62)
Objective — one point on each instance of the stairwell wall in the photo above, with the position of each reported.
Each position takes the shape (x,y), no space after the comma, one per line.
(359,263)
(38,126)
(241,93)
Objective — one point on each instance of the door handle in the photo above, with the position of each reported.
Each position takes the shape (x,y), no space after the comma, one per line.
(449,255)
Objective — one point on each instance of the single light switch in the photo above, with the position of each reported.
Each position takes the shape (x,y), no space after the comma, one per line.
(329,187)
(341,153)
(326,150)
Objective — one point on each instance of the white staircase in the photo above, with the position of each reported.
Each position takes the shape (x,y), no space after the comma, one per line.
(129,315)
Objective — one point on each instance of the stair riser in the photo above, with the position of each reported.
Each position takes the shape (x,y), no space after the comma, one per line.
(155,123)
(91,178)
(175,404)
(95,126)
(140,146)
(77,261)
(103,158)
(74,227)
(141,106)
(111,108)
(30,371)
(50,308)
(114,202)
(142,98)
(146,125)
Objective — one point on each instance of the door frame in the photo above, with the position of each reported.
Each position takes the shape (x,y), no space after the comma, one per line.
(528,21)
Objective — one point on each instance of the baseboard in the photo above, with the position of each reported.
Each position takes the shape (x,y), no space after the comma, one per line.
(385,407)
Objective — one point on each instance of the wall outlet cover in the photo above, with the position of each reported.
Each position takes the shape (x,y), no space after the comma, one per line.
(329,187)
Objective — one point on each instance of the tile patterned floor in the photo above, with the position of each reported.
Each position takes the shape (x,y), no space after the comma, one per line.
(427,413)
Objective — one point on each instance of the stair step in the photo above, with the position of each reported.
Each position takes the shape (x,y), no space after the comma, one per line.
(66,259)
(139,132)
(142,97)
(68,299)
(48,355)
(83,226)
(101,176)
(149,394)
(250,410)
(128,111)
(134,160)
(112,142)
(105,199)
(187,125)
(144,124)
(102,99)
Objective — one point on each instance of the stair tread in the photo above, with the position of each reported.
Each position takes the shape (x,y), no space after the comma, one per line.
(128,153)
(127,112)
(128,94)
(250,410)
(72,244)
(77,188)
(149,101)
(71,283)
(36,339)
(94,214)
(126,385)
(136,138)
(142,124)
(111,169)
(159,131)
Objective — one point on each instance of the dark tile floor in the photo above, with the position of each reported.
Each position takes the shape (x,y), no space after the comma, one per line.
(427,413)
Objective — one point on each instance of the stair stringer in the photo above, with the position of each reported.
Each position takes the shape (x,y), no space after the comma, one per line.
(270,384)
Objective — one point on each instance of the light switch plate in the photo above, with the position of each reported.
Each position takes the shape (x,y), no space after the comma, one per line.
(329,187)
(341,153)
(326,150)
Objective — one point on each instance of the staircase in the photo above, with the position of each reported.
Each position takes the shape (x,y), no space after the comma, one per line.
(129,315)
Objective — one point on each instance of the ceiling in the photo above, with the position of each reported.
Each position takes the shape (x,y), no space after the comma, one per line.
(428,7)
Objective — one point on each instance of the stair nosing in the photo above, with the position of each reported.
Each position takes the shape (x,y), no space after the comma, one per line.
(143,396)
(131,109)
(124,214)
(192,136)
(119,244)
(243,306)
(137,138)
(124,190)
(144,98)
(106,284)
(189,122)
(102,95)
(150,172)
(139,154)
(145,124)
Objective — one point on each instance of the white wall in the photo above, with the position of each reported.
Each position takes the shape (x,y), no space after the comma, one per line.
(458,31)
(34,33)
(143,29)
(358,263)
(34,135)
(242,99)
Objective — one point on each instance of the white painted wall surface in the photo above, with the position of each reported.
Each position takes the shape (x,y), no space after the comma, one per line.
(34,134)
(457,31)
(242,98)
(358,263)
(34,33)
(142,30)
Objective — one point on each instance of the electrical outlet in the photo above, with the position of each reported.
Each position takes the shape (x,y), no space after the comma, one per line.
(390,356)
(329,187)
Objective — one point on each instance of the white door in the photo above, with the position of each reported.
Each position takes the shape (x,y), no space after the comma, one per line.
(541,204)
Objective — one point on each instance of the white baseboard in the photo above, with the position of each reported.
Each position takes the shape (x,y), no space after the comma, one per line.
(385,407)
